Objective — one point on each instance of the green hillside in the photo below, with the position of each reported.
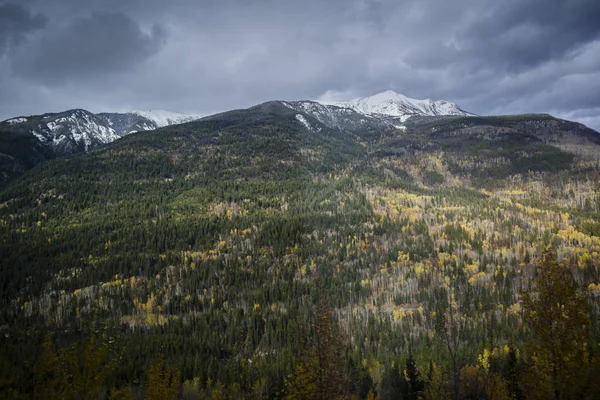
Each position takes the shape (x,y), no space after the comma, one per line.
(255,257)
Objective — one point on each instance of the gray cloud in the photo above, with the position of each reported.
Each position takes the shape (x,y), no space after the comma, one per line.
(16,22)
(102,43)
(490,57)
(517,35)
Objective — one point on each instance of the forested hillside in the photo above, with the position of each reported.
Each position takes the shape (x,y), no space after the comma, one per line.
(259,254)
(27,141)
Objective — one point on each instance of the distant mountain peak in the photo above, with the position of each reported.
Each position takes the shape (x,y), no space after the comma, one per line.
(380,111)
(165,118)
(76,130)
(388,95)
(392,104)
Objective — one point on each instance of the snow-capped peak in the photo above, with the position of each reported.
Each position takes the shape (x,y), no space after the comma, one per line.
(165,118)
(388,95)
(390,103)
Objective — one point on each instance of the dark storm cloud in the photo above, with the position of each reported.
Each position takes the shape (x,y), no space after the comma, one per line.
(522,34)
(15,23)
(489,56)
(102,43)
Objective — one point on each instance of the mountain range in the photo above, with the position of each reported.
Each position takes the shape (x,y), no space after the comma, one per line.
(25,141)
(396,105)
(226,247)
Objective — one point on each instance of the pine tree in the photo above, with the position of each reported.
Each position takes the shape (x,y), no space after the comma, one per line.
(512,374)
(392,384)
(73,372)
(320,373)
(163,382)
(413,385)
(49,381)
(557,317)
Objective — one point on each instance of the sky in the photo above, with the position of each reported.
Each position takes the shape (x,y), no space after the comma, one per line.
(204,56)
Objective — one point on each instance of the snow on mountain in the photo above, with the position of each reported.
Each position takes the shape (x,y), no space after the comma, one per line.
(329,115)
(387,110)
(15,121)
(165,118)
(305,122)
(392,104)
(70,131)
(78,130)
(335,117)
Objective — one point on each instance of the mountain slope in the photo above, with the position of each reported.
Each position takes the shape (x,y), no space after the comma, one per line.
(273,142)
(70,131)
(19,152)
(344,119)
(261,149)
(51,135)
(219,239)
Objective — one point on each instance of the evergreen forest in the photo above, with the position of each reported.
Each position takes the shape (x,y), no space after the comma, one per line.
(249,256)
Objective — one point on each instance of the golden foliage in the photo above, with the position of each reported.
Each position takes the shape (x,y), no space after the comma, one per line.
(163,382)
